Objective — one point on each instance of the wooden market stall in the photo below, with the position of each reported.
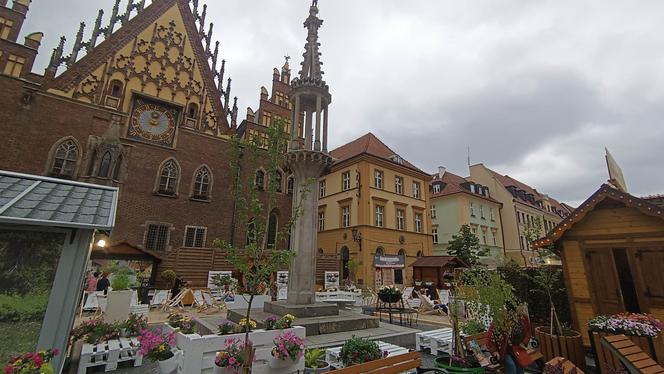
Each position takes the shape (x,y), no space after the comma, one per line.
(612,251)
(435,270)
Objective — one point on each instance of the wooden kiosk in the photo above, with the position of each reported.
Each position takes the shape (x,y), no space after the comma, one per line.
(612,251)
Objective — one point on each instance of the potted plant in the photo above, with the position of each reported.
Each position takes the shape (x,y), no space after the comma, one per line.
(313,361)
(389,294)
(119,299)
(183,323)
(134,325)
(360,350)
(226,328)
(270,323)
(158,347)
(556,338)
(168,276)
(285,322)
(460,364)
(231,357)
(287,351)
(32,363)
(95,331)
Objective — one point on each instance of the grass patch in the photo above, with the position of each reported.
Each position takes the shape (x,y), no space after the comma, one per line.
(17,337)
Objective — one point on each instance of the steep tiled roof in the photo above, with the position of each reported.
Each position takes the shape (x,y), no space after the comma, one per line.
(508,181)
(368,144)
(33,200)
(453,185)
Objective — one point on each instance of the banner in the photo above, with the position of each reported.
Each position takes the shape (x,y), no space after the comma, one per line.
(332,280)
(282,285)
(386,261)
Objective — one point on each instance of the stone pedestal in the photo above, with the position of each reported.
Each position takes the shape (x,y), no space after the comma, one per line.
(301,311)
(307,166)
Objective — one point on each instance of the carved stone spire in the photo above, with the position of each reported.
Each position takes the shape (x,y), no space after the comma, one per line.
(311,66)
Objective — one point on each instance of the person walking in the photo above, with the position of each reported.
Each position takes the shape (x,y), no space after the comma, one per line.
(509,347)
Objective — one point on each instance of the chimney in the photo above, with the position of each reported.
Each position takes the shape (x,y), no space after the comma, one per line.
(441,171)
(21,6)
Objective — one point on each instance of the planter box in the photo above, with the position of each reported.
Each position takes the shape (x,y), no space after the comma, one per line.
(606,362)
(569,347)
(200,351)
(117,307)
(566,365)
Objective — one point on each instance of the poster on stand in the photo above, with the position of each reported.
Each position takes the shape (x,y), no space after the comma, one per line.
(332,280)
(282,285)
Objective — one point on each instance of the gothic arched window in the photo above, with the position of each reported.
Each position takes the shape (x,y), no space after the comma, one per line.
(168,178)
(105,165)
(259,180)
(272,229)
(291,185)
(278,180)
(202,180)
(380,251)
(117,169)
(192,111)
(65,159)
(116,88)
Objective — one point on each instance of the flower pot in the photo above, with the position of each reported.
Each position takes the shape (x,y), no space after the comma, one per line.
(168,366)
(276,363)
(324,368)
(225,370)
(389,298)
(444,363)
(570,347)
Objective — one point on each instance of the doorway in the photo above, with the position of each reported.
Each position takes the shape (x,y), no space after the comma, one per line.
(611,280)
(626,280)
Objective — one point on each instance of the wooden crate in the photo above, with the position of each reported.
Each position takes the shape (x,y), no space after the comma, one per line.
(109,354)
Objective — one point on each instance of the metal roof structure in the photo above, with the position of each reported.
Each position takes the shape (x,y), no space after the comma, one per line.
(35,200)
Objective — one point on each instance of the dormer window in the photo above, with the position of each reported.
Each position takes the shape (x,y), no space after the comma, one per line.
(397,159)
(436,188)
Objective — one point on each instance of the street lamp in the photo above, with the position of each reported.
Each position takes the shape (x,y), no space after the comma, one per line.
(357,237)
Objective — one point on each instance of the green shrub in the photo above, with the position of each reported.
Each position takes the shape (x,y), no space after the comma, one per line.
(472,327)
(359,350)
(30,307)
(169,277)
(120,282)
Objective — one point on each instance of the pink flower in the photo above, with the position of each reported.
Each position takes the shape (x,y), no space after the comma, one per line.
(232,361)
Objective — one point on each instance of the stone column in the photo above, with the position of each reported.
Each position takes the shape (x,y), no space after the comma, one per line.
(319,104)
(295,124)
(307,166)
(325,129)
(308,136)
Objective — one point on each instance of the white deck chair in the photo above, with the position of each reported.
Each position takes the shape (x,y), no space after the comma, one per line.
(408,293)
(199,301)
(210,301)
(160,298)
(134,298)
(444,296)
(91,302)
(428,307)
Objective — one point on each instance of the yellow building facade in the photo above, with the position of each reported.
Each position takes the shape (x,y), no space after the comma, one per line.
(372,202)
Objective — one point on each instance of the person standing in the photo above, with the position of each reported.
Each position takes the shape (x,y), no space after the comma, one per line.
(91,282)
(103,284)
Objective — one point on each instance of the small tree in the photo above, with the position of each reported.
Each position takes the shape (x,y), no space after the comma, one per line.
(261,257)
(466,246)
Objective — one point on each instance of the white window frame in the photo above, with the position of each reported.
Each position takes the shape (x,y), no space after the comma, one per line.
(322,187)
(398,185)
(195,228)
(433,211)
(401,219)
(321,221)
(472,209)
(380,214)
(167,241)
(417,193)
(434,235)
(418,222)
(436,188)
(345,181)
(378,179)
(345,216)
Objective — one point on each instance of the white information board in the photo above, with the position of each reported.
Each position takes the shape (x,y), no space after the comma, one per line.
(332,280)
(282,285)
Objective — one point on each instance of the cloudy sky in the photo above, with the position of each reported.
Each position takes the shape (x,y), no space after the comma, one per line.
(535,89)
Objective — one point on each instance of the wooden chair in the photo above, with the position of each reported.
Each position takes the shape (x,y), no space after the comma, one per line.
(632,356)
(390,365)
(428,307)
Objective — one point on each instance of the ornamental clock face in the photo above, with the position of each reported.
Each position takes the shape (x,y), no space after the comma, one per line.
(153,122)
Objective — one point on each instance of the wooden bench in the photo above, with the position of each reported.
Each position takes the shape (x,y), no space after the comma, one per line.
(427,339)
(407,362)
(632,356)
(483,340)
